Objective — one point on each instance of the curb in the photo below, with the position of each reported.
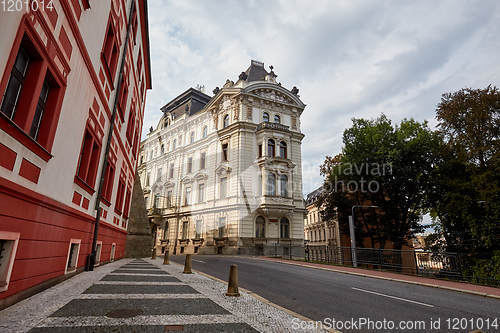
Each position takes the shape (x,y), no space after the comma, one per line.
(263,300)
(386,278)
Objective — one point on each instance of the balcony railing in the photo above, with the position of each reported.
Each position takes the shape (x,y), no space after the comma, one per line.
(273,126)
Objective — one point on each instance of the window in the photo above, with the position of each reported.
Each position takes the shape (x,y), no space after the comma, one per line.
(162,149)
(265,116)
(109,178)
(171,171)
(110,51)
(127,204)
(226,121)
(260,227)
(202,160)
(270,148)
(201,193)
(189,165)
(198,229)
(112,254)
(165,231)
(134,27)
(119,196)
(158,174)
(32,98)
(169,198)
(284,186)
(222,227)
(16,81)
(191,137)
(223,188)
(283,153)
(277,119)
(174,144)
(284,228)
(156,203)
(123,97)
(130,126)
(148,176)
(187,196)
(8,249)
(224,151)
(205,131)
(98,250)
(73,252)
(185,226)
(88,161)
(271,184)
(260,151)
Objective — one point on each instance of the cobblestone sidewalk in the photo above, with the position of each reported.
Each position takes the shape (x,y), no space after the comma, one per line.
(142,296)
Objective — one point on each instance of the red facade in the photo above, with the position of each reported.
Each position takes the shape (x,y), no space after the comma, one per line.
(60,68)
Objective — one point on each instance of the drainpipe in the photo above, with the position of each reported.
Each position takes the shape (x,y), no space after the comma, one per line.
(91,258)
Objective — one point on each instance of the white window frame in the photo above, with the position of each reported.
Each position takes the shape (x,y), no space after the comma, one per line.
(71,242)
(112,253)
(5,275)
(98,253)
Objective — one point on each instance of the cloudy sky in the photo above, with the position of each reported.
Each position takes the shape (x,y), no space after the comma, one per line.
(348,58)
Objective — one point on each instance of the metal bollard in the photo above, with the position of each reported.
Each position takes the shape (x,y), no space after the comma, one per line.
(187,264)
(232,286)
(166,259)
(153,253)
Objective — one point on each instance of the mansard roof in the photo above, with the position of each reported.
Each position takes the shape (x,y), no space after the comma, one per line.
(256,71)
(190,101)
(313,196)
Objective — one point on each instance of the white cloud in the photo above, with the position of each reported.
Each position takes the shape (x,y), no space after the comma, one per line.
(348,58)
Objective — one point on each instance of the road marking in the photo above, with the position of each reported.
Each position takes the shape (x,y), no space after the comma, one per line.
(399,298)
(203,262)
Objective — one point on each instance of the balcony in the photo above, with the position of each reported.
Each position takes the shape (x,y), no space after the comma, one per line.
(154,211)
(272,126)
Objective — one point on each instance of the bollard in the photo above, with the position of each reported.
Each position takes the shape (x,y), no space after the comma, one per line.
(165,258)
(232,286)
(187,265)
(153,253)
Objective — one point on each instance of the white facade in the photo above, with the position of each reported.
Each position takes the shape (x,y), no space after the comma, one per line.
(207,170)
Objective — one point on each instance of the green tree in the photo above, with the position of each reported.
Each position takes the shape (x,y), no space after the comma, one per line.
(399,160)
(465,200)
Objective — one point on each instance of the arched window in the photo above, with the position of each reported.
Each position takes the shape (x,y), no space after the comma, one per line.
(284,228)
(277,119)
(265,116)
(260,227)
(226,121)
(271,184)
(283,149)
(270,148)
(205,131)
(284,186)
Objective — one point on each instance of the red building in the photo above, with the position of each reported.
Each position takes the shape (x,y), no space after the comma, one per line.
(67,69)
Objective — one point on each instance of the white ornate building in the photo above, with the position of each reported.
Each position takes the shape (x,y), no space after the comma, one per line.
(223,174)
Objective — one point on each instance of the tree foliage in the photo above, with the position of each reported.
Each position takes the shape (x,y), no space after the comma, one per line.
(399,160)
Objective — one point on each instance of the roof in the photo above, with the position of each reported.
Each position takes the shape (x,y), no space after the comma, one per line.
(256,71)
(314,195)
(190,101)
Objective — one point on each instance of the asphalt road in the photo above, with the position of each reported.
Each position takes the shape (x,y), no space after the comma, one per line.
(320,294)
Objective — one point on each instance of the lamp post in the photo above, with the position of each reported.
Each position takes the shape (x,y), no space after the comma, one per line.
(353,234)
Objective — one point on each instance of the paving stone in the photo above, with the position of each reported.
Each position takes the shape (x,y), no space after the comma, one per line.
(140,271)
(140,278)
(138,266)
(171,306)
(190,328)
(139,289)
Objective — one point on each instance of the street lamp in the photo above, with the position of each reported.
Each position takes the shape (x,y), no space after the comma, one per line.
(353,235)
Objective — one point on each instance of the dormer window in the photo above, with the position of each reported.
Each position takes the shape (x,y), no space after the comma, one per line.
(226,121)
(277,119)
(265,117)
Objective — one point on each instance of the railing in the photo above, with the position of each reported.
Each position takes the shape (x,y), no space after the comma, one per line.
(274,126)
(413,262)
